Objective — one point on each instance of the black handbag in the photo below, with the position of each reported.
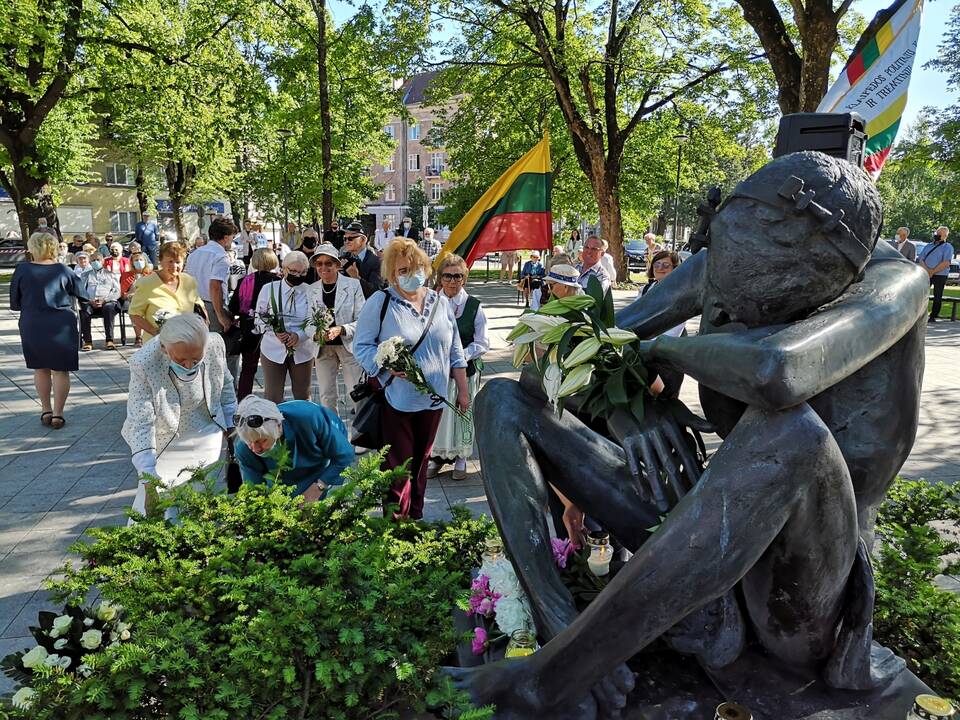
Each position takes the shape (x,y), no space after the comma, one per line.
(370,395)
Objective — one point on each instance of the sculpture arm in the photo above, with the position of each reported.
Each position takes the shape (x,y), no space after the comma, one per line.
(779,367)
(675,299)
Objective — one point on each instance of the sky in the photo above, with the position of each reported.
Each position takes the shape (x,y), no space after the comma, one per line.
(927,86)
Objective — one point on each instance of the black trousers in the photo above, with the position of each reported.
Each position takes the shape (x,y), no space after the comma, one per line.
(108,311)
(938,282)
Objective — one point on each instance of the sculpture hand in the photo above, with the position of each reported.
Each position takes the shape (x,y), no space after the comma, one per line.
(660,459)
(611,693)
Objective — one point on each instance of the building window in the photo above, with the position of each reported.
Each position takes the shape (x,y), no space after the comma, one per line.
(390,166)
(119,175)
(414,132)
(436,163)
(413,161)
(435,191)
(389,194)
(122,221)
(391,133)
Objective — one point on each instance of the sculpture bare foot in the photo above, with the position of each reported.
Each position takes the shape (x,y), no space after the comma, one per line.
(510,686)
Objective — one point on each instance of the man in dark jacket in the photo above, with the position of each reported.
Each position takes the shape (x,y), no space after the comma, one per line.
(334,236)
(360,262)
(407,230)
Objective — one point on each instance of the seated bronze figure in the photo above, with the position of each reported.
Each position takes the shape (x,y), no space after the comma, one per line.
(809,361)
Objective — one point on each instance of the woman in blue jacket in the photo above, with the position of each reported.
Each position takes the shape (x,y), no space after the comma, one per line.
(315,437)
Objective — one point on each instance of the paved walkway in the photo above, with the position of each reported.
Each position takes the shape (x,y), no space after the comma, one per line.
(56,484)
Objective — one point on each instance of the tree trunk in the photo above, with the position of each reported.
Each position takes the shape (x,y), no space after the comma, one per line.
(31,198)
(611,221)
(818,42)
(141,188)
(326,135)
(179,183)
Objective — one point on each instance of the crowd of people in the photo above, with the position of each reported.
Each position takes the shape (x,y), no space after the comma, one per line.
(206,320)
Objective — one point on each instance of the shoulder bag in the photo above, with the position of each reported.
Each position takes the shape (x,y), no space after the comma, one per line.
(370,395)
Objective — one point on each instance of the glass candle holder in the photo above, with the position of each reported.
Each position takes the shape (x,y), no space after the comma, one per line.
(930,707)
(521,643)
(732,711)
(492,550)
(601,553)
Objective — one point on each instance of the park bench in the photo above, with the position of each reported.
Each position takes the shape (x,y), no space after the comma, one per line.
(953,306)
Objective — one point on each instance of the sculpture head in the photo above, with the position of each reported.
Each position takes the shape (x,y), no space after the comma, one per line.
(790,238)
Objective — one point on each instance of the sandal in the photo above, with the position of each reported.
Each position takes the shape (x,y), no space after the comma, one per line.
(57,422)
(87,347)
(44,419)
(109,345)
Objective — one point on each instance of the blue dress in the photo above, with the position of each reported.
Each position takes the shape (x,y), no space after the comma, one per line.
(48,324)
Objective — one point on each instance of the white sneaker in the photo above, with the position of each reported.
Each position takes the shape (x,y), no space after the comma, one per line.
(460,469)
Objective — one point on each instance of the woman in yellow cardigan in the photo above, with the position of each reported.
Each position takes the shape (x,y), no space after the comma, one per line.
(168,289)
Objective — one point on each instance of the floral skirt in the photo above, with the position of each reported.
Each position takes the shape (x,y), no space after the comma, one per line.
(455,435)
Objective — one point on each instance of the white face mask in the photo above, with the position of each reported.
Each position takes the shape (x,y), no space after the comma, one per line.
(407,224)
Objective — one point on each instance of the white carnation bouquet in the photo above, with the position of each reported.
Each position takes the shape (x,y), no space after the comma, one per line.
(320,319)
(161,316)
(393,354)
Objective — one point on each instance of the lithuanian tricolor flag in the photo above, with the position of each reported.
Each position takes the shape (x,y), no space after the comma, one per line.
(875,80)
(513,214)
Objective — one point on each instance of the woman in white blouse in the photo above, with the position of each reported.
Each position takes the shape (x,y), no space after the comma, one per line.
(343,295)
(454,442)
(180,404)
(289,303)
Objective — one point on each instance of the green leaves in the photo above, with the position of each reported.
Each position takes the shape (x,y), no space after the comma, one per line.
(258,607)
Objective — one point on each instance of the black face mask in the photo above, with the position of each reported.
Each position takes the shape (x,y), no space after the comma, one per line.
(294,280)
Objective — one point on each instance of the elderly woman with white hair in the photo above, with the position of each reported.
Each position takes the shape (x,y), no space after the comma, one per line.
(314,436)
(180,403)
(283,310)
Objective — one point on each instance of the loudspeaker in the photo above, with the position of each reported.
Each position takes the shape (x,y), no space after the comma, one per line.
(841,135)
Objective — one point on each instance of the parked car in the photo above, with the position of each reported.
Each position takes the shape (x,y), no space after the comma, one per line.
(636,251)
(13,250)
(953,274)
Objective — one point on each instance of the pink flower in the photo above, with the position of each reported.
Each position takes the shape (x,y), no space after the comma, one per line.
(479,643)
(483,601)
(562,550)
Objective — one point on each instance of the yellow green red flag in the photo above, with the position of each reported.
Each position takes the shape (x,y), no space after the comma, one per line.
(513,214)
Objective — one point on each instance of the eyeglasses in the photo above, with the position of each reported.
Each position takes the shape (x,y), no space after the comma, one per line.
(452,277)
(331,263)
(251,421)
(663,265)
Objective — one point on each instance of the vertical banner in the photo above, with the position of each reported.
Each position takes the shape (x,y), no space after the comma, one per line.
(875,81)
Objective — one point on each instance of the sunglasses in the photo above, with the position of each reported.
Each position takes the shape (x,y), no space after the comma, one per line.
(664,265)
(251,421)
(331,263)
(452,277)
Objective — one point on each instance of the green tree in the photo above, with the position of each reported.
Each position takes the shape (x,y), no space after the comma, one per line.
(602,70)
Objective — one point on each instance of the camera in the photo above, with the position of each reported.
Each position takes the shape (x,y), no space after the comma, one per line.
(361,391)
(347,259)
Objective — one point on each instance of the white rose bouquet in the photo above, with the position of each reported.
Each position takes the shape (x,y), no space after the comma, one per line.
(273,319)
(66,641)
(393,354)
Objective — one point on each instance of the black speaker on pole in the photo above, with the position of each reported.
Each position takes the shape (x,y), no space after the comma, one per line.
(841,135)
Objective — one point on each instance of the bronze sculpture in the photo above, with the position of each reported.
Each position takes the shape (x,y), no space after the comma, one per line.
(809,361)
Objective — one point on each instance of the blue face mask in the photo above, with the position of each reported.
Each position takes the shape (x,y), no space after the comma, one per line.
(139,264)
(96,265)
(185,373)
(412,283)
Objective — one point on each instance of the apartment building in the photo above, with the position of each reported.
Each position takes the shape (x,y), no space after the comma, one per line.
(414,159)
(108,203)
